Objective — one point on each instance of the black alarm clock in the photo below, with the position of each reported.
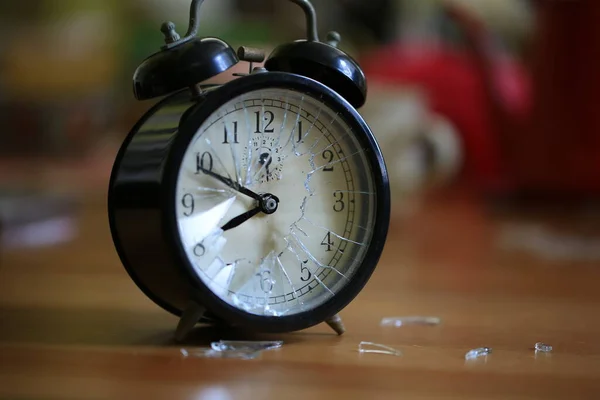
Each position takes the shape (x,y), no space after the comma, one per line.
(263,203)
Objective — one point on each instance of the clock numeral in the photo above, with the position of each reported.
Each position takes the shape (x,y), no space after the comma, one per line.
(340,204)
(268,117)
(227,133)
(328,156)
(199,250)
(328,242)
(204,162)
(188,202)
(306,275)
(266,283)
(300,132)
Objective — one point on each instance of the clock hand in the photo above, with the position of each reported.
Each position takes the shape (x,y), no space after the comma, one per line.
(240,219)
(233,185)
(268,204)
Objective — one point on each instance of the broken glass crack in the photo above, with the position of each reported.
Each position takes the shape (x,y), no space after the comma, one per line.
(204,224)
(308,132)
(287,277)
(296,126)
(336,250)
(333,233)
(325,129)
(312,258)
(267,282)
(246,277)
(209,192)
(333,163)
(216,156)
(285,115)
(249,140)
(277,142)
(212,190)
(236,164)
(293,251)
(348,133)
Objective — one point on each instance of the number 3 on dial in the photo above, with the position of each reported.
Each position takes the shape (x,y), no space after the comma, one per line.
(339,201)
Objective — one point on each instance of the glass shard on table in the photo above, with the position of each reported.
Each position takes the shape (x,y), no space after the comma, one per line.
(479,352)
(234,345)
(210,353)
(403,321)
(542,347)
(376,348)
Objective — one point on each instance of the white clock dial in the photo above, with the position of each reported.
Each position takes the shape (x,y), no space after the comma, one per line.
(289,146)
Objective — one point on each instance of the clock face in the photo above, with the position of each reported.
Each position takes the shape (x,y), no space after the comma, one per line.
(275,202)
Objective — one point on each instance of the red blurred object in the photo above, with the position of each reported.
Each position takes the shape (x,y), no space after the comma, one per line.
(456,90)
(541,142)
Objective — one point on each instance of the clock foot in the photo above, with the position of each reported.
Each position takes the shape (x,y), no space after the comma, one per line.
(336,324)
(190,317)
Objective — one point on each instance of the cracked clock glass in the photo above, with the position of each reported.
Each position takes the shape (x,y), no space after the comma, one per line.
(275,202)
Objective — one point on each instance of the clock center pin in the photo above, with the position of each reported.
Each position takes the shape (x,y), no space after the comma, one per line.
(269,204)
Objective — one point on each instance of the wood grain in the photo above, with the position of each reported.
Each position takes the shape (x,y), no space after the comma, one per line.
(74,326)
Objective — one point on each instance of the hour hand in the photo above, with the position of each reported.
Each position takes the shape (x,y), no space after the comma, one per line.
(240,219)
(232,184)
(268,204)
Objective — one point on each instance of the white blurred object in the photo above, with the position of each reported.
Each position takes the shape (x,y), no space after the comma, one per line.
(443,137)
(422,150)
(512,19)
(33,220)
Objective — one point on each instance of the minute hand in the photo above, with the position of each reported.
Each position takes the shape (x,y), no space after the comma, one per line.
(232,184)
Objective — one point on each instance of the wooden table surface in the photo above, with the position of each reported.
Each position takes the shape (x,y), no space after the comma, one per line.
(74,326)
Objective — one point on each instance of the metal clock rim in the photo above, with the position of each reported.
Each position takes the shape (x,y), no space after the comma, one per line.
(188,129)
(121,253)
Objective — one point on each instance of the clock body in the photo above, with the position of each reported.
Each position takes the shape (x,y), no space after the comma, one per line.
(265,200)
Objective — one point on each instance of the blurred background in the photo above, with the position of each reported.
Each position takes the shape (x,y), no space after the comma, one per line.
(490,100)
(487,112)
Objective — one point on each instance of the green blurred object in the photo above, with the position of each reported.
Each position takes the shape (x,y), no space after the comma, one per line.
(40,11)
(252,33)
(60,68)
(52,9)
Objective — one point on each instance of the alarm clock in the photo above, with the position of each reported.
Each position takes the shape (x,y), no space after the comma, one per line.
(260,204)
